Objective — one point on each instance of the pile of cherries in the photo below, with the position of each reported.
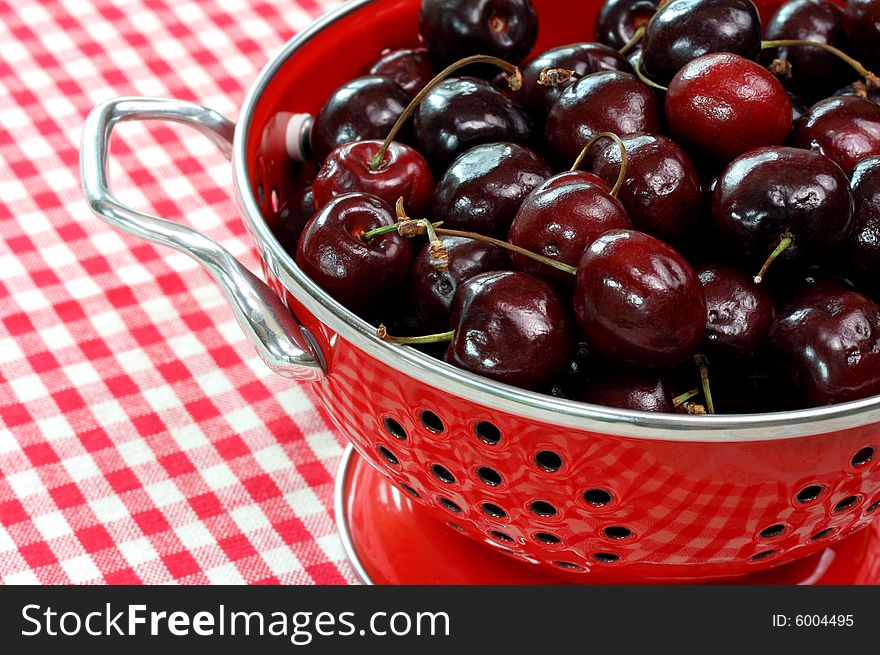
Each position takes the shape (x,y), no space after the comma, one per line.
(681,216)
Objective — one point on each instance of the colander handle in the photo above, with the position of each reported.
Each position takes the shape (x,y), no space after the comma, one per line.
(271,328)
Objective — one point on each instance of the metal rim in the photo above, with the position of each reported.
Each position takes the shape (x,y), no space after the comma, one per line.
(524,404)
(342,519)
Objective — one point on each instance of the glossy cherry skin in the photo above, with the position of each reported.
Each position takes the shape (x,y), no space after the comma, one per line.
(574,177)
(739,312)
(618,20)
(661,190)
(638,302)
(582,58)
(412,69)
(844,129)
(453,29)
(769,191)
(362,109)
(405,174)
(511,327)
(609,101)
(484,187)
(686,29)
(639,390)
(463,112)
(559,222)
(432,289)
(864,242)
(722,105)
(830,343)
(359,275)
(861,20)
(815,73)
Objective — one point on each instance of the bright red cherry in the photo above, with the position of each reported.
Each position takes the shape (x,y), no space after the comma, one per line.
(846,130)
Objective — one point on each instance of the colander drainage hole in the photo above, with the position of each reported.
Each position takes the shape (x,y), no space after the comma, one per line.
(432,422)
(810,493)
(548,460)
(408,489)
(442,474)
(542,508)
(617,532)
(772,531)
(489,476)
(487,432)
(862,457)
(873,507)
(597,497)
(547,538)
(501,536)
(606,558)
(448,504)
(822,534)
(491,509)
(568,566)
(394,428)
(845,504)
(390,457)
(455,526)
(767,554)
(261,195)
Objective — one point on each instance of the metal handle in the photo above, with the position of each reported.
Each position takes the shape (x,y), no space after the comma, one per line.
(269,325)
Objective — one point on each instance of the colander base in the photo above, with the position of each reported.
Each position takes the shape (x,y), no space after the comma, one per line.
(391,540)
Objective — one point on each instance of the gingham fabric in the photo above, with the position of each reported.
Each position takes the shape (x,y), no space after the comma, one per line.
(141,439)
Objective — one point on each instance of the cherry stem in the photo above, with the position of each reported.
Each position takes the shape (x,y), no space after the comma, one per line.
(561,266)
(634,40)
(556,75)
(678,401)
(638,70)
(393,227)
(440,337)
(703,364)
(870,78)
(784,242)
(512,75)
(621,175)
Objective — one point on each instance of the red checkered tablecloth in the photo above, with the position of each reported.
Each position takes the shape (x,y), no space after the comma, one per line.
(141,439)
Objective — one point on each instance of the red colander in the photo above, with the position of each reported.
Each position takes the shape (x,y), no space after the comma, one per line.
(588,492)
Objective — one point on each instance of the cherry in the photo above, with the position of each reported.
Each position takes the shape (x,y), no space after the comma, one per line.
(412,69)
(661,191)
(683,30)
(723,105)
(739,312)
(815,73)
(844,129)
(573,177)
(404,173)
(357,274)
(861,20)
(608,101)
(791,286)
(452,29)
(638,390)
(484,187)
(638,302)
(581,58)
(364,108)
(795,201)
(460,113)
(432,288)
(618,20)
(511,327)
(830,343)
(559,222)
(864,242)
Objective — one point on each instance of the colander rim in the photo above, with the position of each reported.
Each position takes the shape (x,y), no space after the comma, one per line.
(524,404)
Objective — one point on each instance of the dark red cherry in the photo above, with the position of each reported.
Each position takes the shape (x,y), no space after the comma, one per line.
(830,342)
(610,101)
(511,327)
(639,390)
(454,29)
(769,192)
(739,312)
(864,242)
(404,173)
(861,20)
(683,30)
(582,58)
(460,113)
(661,190)
(293,216)
(364,108)
(412,69)
(722,105)
(484,187)
(844,129)
(638,301)
(559,222)
(618,20)
(359,275)
(574,177)
(432,289)
(815,73)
